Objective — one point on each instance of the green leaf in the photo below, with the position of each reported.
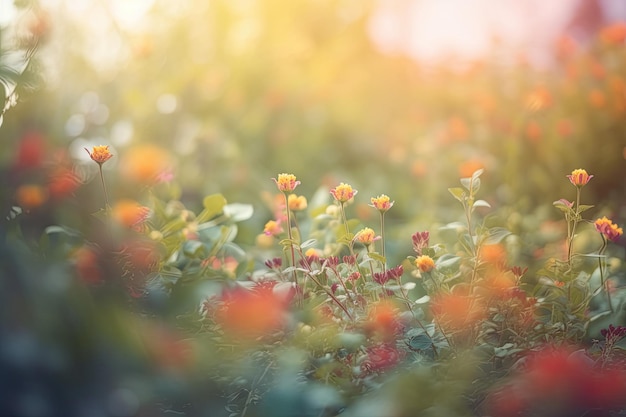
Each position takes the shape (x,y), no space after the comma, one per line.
(213,205)
(448,261)
(377,257)
(458,193)
(238,212)
(420,342)
(496,235)
(192,248)
(481,203)
(584,207)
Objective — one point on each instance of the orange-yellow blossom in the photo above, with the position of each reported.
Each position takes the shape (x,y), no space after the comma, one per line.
(100,154)
(296,202)
(286,182)
(579,177)
(272,228)
(381,203)
(343,192)
(367,236)
(425,263)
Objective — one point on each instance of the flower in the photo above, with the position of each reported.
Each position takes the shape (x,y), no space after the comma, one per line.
(420,241)
(425,263)
(30,196)
(100,154)
(130,213)
(343,192)
(272,228)
(296,202)
(381,203)
(579,177)
(286,182)
(609,229)
(146,164)
(367,236)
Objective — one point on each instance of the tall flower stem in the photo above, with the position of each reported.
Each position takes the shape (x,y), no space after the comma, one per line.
(601,268)
(571,230)
(104,188)
(344,219)
(382,237)
(290,235)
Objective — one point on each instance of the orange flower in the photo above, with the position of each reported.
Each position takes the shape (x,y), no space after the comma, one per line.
(367,236)
(343,192)
(467,168)
(614,34)
(381,203)
(62,183)
(493,254)
(272,228)
(286,182)
(425,263)
(250,314)
(539,99)
(30,196)
(579,177)
(100,154)
(87,265)
(129,213)
(609,229)
(296,202)
(597,98)
(145,164)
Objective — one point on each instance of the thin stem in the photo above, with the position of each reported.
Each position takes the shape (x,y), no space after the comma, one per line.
(104,187)
(289,234)
(573,228)
(331,295)
(382,237)
(601,267)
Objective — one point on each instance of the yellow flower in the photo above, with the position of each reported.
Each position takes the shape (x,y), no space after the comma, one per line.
(343,192)
(381,203)
(286,182)
(272,228)
(425,263)
(130,213)
(100,154)
(296,203)
(366,236)
(609,229)
(579,177)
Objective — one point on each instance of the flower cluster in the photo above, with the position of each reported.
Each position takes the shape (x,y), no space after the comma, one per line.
(286,182)
(608,229)
(381,203)
(424,263)
(366,236)
(343,192)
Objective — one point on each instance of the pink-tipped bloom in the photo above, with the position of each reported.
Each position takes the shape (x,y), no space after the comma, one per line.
(367,236)
(420,241)
(579,177)
(343,192)
(609,229)
(381,203)
(286,182)
(273,228)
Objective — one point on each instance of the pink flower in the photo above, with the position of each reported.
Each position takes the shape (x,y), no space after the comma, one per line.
(381,203)
(609,229)
(579,177)
(272,228)
(286,182)
(343,192)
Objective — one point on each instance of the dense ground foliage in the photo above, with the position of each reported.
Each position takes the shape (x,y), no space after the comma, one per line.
(283,236)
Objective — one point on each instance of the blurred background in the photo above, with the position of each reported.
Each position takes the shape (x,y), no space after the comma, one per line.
(399,97)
